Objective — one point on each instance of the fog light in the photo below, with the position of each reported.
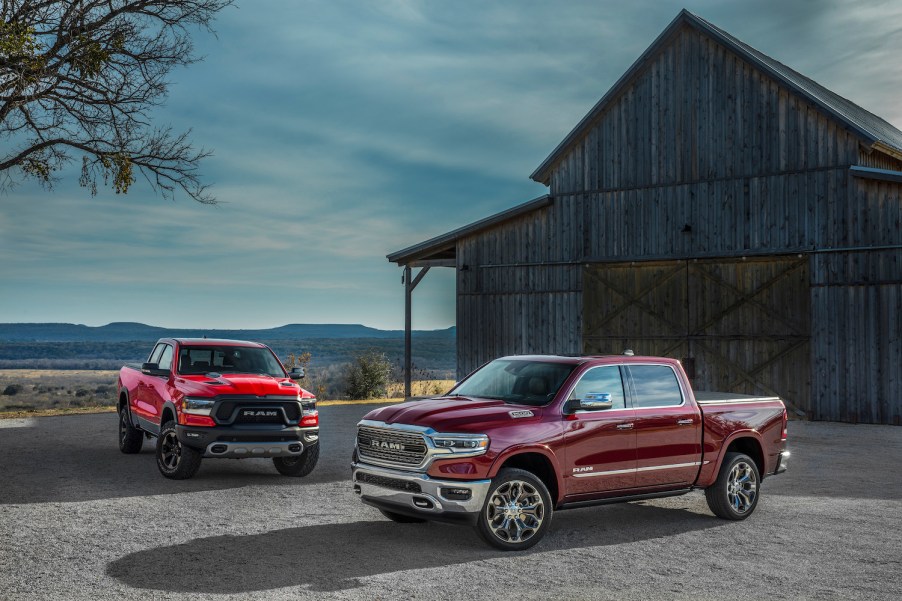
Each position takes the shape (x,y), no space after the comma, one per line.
(457,494)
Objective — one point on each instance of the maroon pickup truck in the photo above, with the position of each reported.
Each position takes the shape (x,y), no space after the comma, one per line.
(524,436)
(217,398)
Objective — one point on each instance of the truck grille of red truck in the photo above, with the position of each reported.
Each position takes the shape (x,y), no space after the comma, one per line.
(391,446)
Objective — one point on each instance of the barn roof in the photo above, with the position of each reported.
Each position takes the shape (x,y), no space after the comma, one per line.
(442,249)
(876,132)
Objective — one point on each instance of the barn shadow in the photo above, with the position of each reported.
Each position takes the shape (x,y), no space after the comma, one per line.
(335,557)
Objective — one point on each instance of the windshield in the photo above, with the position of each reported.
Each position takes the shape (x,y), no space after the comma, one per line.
(229,360)
(518,381)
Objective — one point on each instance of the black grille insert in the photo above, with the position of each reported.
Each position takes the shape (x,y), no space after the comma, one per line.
(392,483)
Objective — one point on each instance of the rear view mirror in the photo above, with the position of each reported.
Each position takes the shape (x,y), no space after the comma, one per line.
(297,373)
(153,369)
(595,401)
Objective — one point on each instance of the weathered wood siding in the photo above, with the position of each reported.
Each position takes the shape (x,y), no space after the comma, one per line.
(698,112)
(702,138)
(513,295)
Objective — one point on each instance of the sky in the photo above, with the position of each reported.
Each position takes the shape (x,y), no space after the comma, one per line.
(346,130)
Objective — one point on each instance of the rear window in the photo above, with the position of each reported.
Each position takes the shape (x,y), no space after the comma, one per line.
(656,386)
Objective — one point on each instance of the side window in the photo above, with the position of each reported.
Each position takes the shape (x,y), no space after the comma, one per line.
(155,354)
(656,386)
(166,358)
(601,379)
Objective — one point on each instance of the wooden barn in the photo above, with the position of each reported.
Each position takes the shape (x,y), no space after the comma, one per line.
(714,206)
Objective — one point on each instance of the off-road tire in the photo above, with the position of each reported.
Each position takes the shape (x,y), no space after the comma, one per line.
(401,518)
(734,495)
(175,460)
(299,465)
(131,439)
(522,491)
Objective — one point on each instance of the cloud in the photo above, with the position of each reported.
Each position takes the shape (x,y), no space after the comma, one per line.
(346,130)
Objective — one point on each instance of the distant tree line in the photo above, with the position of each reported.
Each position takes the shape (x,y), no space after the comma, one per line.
(430,354)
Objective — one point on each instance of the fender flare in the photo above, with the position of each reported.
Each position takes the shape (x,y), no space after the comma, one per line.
(536,449)
(748,433)
(171,407)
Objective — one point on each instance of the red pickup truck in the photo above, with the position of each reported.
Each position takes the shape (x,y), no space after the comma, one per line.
(524,436)
(217,398)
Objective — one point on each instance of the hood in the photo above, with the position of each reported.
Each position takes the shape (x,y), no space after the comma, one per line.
(455,414)
(239,384)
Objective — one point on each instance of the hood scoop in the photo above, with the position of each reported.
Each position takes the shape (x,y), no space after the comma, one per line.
(214,379)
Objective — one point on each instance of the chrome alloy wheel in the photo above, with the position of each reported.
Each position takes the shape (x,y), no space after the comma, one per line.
(515,511)
(742,487)
(170,451)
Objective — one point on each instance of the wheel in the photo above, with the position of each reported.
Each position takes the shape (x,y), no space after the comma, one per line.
(400,518)
(517,511)
(175,460)
(131,439)
(735,493)
(299,465)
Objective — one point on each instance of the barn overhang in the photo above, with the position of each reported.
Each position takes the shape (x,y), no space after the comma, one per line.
(441,251)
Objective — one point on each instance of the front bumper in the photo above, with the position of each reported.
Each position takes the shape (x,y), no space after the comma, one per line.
(248,440)
(419,495)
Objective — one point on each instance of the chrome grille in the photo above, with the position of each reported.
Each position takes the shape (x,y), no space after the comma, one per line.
(391,446)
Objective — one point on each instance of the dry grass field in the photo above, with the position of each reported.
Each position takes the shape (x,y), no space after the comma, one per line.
(35,392)
(420,388)
(48,389)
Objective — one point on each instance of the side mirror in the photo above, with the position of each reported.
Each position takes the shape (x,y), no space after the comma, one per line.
(153,369)
(595,401)
(297,373)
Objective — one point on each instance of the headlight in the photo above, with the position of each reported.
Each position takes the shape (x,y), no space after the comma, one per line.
(198,406)
(462,443)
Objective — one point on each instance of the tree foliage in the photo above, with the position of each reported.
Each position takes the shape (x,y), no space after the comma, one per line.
(80,77)
(368,375)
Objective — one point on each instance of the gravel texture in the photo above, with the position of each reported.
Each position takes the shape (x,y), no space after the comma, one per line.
(79,520)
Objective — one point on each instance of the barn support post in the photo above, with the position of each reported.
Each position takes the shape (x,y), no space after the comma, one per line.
(409,285)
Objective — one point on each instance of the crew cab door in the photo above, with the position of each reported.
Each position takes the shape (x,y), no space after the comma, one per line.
(667,426)
(141,398)
(157,389)
(600,445)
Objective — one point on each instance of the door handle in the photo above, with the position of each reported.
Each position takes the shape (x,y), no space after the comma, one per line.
(624,426)
(685,422)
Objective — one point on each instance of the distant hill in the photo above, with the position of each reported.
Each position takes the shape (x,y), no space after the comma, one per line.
(128,331)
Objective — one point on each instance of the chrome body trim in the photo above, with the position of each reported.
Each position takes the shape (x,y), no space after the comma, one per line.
(634,470)
(432,451)
(430,488)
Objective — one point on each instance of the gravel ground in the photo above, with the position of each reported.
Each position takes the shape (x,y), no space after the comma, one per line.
(79,520)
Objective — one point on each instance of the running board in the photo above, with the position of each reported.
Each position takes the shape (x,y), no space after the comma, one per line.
(609,500)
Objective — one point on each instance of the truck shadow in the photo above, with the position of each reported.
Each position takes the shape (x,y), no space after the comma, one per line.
(75,458)
(334,557)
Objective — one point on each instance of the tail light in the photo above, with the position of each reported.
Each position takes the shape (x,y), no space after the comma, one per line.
(783,435)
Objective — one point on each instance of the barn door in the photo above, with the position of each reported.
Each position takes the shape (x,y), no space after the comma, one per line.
(744,322)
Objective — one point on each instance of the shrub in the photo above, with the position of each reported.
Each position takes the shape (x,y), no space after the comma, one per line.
(13,389)
(82,392)
(368,375)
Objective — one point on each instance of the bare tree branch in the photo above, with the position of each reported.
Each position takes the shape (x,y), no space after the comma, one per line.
(82,76)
